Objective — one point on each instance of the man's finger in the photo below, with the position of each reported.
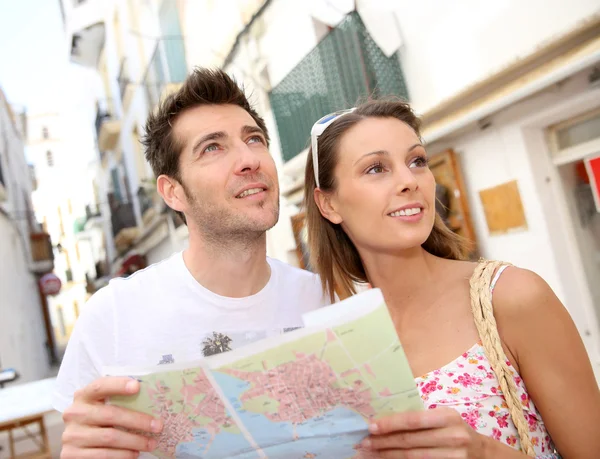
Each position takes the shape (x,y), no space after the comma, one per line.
(98,453)
(111,416)
(449,437)
(107,437)
(108,386)
(415,420)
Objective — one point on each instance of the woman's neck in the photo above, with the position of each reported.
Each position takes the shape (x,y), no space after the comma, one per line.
(403,278)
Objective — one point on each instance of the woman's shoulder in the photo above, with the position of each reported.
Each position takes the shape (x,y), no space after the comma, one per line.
(518,294)
(520,291)
(526,309)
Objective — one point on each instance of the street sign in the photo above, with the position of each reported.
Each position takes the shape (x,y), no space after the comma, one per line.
(50,284)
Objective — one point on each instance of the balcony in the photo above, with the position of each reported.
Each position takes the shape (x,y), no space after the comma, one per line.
(91,219)
(108,127)
(345,66)
(166,71)
(148,198)
(124,225)
(42,255)
(92,215)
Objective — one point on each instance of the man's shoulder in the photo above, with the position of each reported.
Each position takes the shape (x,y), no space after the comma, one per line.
(292,272)
(298,282)
(144,279)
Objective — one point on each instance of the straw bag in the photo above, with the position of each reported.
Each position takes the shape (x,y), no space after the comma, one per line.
(483,313)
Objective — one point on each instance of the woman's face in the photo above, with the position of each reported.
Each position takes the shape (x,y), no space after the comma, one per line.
(385,195)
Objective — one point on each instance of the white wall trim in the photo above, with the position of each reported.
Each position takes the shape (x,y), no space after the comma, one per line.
(568,258)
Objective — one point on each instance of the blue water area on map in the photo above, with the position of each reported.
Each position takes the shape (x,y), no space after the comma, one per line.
(331,435)
(225,444)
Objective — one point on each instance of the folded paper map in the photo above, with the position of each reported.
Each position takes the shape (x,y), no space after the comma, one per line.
(309,393)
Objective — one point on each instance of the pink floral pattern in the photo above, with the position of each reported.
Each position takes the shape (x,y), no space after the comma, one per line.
(469,386)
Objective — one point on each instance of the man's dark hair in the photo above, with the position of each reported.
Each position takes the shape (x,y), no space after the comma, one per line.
(202,87)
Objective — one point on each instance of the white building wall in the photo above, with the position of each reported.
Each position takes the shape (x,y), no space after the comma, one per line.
(22,333)
(449,46)
(22,336)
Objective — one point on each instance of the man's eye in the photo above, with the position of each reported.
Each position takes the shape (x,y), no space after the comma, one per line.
(256,138)
(211,147)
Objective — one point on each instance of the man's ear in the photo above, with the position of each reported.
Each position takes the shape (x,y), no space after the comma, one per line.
(326,204)
(172,192)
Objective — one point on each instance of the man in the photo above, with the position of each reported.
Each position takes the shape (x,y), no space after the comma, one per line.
(209,151)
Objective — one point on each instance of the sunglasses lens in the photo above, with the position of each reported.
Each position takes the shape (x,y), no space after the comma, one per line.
(327,118)
(331,116)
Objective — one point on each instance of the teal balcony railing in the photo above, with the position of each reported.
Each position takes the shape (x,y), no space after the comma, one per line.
(344,67)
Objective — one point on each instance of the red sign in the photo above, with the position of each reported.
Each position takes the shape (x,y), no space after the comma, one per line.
(593,169)
(50,284)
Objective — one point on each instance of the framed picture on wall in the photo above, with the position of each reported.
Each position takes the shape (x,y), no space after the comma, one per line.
(451,198)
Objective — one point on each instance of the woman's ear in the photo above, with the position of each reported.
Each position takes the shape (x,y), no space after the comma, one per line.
(326,204)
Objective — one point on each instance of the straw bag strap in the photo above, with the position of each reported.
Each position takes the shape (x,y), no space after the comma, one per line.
(483,314)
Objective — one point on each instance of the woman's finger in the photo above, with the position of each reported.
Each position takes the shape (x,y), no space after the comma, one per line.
(449,437)
(415,420)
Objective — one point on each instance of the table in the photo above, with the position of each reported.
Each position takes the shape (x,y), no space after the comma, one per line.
(22,407)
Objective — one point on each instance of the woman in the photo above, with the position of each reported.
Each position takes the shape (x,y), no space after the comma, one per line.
(371,218)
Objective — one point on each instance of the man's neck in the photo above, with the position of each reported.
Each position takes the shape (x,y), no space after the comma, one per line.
(236,269)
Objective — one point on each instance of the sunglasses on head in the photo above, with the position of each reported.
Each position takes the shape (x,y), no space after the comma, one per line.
(318,129)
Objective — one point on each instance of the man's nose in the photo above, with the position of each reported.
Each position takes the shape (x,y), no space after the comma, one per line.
(248,160)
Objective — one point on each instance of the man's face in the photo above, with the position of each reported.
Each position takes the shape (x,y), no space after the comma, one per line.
(227,173)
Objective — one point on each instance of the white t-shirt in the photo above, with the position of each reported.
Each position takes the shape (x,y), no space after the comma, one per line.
(162,315)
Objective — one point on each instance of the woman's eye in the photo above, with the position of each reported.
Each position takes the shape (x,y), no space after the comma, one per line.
(420,161)
(375,169)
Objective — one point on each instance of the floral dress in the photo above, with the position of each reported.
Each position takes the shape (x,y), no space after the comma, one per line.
(469,385)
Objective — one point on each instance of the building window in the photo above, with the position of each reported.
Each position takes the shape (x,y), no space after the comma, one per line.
(45,133)
(50,158)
